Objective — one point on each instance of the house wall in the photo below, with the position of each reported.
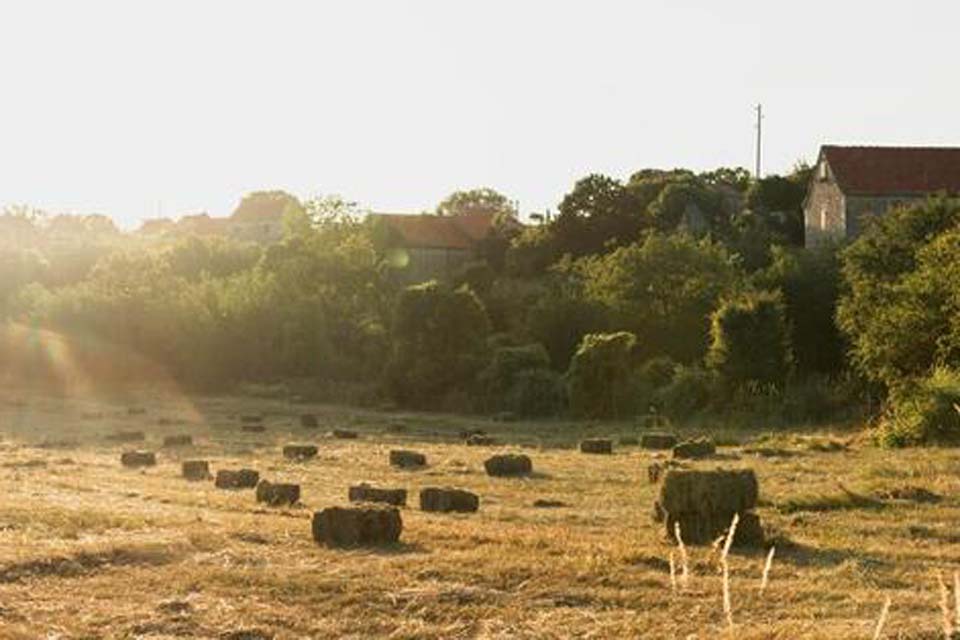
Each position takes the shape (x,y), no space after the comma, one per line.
(433,264)
(823,213)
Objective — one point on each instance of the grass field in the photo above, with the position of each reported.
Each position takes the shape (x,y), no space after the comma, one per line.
(89,549)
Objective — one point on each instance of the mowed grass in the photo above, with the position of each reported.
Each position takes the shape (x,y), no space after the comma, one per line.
(89,549)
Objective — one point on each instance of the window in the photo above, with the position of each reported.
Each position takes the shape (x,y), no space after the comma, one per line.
(823,219)
(823,170)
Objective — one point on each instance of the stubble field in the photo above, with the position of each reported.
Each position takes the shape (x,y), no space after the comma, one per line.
(89,549)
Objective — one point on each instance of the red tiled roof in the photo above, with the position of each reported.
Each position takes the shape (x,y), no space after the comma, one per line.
(438,232)
(894,170)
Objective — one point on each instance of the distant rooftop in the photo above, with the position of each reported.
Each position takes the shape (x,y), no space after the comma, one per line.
(894,170)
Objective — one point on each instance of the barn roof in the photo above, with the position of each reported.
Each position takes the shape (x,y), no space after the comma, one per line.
(427,231)
(894,170)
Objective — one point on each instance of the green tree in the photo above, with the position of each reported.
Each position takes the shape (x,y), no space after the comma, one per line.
(900,302)
(474,201)
(662,290)
(439,344)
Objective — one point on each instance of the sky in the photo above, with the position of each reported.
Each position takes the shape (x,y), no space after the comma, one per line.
(134,109)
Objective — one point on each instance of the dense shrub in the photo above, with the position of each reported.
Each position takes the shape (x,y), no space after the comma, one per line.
(439,343)
(599,376)
(690,391)
(559,320)
(536,393)
(750,344)
(923,412)
(658,372)
(519,380)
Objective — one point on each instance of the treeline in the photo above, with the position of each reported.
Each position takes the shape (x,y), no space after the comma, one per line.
(670,293)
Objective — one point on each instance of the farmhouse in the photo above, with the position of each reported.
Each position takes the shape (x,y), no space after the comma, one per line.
(426,246)
(850,185)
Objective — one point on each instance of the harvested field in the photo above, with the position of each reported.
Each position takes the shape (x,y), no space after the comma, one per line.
(90,549)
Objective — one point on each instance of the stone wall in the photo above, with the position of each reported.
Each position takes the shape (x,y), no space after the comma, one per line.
(860,209)
(823,214)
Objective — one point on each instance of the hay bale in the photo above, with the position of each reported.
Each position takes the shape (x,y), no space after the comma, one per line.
(344,434)
(596,445)
(138,459)
(181,440)
(446,500)
(127,436)
(276,494)
(253,428)
(479,440)
(357,526)
(251,419)
(300,451)
(704,502)
(508,465)
(237,479)
(466,434)
(692,449)
(309,421)
(407,459)
(365,493)
(548,504)
(196,470)
(658,441)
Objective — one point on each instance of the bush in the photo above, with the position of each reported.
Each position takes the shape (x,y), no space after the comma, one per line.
(439,343)
(599,375)
(658,372)
(750,344)
(559,320)
(689,392)
(536,393)
(923,412)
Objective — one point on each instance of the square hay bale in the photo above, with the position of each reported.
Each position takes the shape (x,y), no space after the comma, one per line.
(253,428)
(126,436)
(508,465)
(703,503)
(237,479)
(447,500)
(138,459)
(357,526)
(480,440)
(181,440)
(365,493)
(251,419)
(407,459)
(692,449)
(344,434)
(309,421)
(276,494)
(658,441)
(300,451)
(196,470)
(596,445)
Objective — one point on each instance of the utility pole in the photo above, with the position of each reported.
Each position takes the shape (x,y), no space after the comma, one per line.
(759,110)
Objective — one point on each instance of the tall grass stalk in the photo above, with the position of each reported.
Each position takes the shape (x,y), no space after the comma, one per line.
(727,605)
(684,560)
(945,620)
(882,621)
(766,569)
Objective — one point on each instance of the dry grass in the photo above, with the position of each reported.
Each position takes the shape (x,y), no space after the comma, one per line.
(91,550)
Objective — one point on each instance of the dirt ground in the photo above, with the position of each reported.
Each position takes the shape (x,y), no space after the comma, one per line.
(89,549)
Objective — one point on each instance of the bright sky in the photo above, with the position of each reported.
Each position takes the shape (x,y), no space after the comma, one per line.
(128,107)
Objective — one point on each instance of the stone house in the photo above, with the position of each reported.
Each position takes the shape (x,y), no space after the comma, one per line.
(850,185)
(429,247)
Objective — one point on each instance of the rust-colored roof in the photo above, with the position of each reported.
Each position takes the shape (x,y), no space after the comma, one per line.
(894,170)
(429,231)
